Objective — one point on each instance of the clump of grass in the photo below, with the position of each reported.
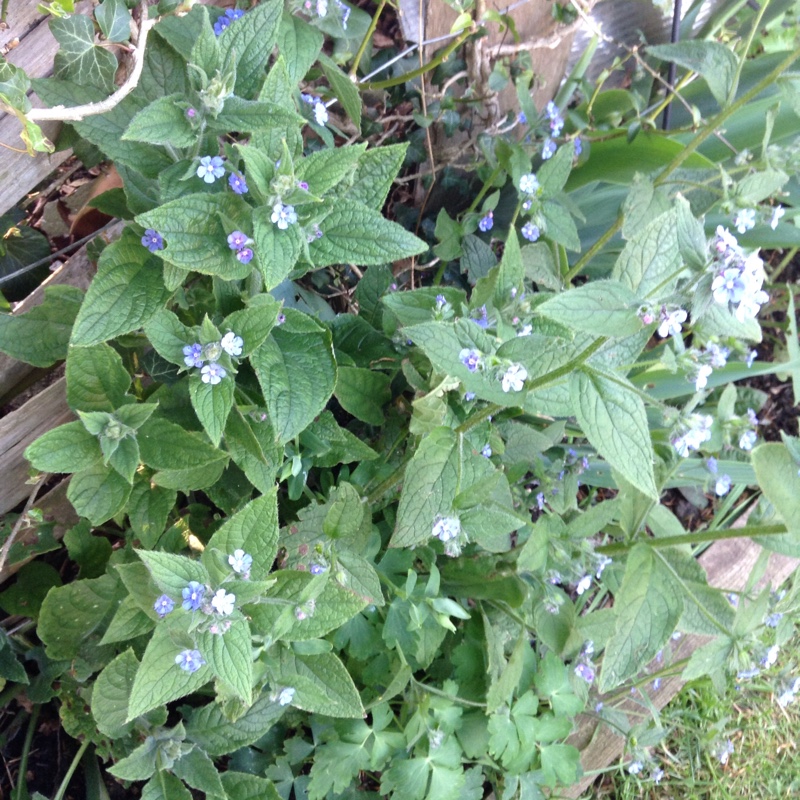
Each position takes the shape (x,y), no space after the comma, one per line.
(728,739)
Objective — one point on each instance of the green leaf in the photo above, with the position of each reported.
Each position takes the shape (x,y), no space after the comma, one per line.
(78,58)
(297,373)
(210,729)
(363,393)
(197,770)
(148,510)
(68,448)
(41,336)
(25,597)
(449,232)
(124,294)
(299,43)
(194,236)
(758,186)
(138,765)
(560,227)
(172,573)
(253,115)
(648,608)
(614,419)
(230,657)
(554,173)
(714,61)
(248,787)
(110,695)
(603,308)
(377,168)
(162,122)
(354,234)
(561,764)
(254,529)
(478,257)
(73,616)
(90,552)
(212,404)
(128,622)
(114,20)
(343,88)
(159,680)
(248,43)
(540,266)
(169,336)
(322,684)
(552,682)
(96,379)
(98,493)
(327,168)
(165,786)
(277,251)
(278,87)
(167,446)
(253,323)
(330,444)
(442,467)
(777,474)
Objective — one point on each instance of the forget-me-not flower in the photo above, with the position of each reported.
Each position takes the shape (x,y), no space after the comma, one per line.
(237,183)
(283,216)
(231,15)
(245,255)
(153,240)
(240,562)
(193,596)
(777,213)
(548,148)
(286,696)
(163,605)
(471,359)
(530,231)
(190,660)
(237,240)
(487,222)
(528,184)
(514,378)
(745,219)
(446,528)
(232,345)
(211,168)
(223,602)
(212,373)
(193,355)
(671,321)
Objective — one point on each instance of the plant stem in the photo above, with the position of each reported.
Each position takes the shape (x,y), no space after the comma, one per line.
(59,795)
(740,65)
(697,538)
(440,693)
(367,38)
(416,73)
(785,261)
(20,790)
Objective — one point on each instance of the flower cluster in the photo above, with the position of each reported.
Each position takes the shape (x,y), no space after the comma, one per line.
(585,669)
(240,243)
(320,111)
(697,431)
(196,355)
(553,114)
(738,276)
(231,15)
(448,531)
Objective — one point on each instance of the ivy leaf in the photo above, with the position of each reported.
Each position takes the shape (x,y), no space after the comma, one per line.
(114,20)
(67,448)
(297,373)
(110,695)
(98,493)
(355,234)
(194,236)
(300,44)
(230,657)
(124,294)
(647,609)
(159,680)
(96,379)
(78,58)
(614,419)
(210,729)
(254,529)
(41,336)
(322,684)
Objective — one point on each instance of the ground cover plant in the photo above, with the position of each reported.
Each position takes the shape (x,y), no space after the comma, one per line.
(390,550)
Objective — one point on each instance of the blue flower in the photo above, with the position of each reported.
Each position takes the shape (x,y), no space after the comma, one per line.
(286,696)
(237,240)
(193,355)
(283,216)
(548,148)
(316,569)
(223,603)
(190,660)
(723,485)
(211,168)
(212,373)
(521,118)
(528,184)
(773,619)
(152,240)
(240,562)
(163,605)
(469,396)
(487,451)
(232,345)
(585,672)
(471,359)
(530,231)
(578,145)
(237,183)
(486,223)
(231,15)
(245,255)
(193,597)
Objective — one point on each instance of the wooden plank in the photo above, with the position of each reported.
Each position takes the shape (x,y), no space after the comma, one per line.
(77,271)
(18,429)
(21,18)
(55,508)
(728,564)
